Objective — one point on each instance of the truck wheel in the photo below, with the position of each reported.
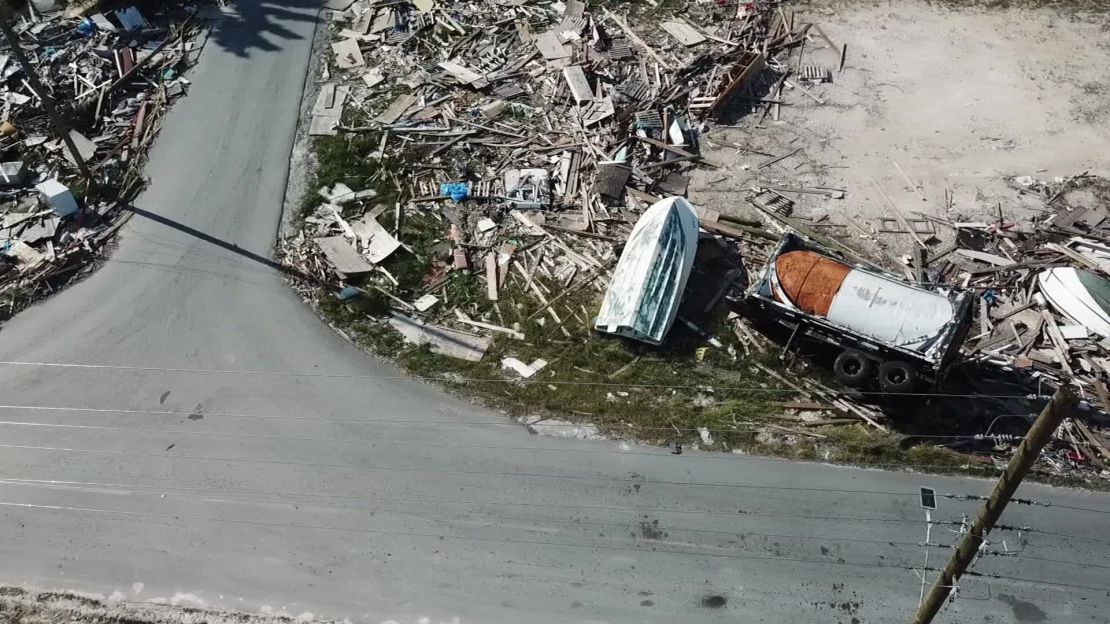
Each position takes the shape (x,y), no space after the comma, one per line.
(897,377)
(853,368)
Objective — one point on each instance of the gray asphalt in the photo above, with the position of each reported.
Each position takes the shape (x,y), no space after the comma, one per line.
(303,476)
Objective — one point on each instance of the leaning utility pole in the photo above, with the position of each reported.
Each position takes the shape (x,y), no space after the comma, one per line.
(1039,434)
(44,96)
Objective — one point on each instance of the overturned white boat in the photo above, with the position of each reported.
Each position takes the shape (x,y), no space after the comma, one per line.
(650,277)
(1081,296)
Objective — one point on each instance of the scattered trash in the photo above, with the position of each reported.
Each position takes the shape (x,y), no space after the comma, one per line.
(113,75)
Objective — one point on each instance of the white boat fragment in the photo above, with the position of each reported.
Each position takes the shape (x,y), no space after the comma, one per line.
(1081,296)
(647,286)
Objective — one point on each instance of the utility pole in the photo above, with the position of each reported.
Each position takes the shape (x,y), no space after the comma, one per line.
(1039,434)
(44,96)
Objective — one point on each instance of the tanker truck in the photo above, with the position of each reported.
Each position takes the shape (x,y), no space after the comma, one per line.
(885,331)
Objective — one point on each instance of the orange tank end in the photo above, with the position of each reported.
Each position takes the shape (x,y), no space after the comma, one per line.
(810,280)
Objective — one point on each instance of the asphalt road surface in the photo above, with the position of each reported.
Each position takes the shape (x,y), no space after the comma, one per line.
(219,445)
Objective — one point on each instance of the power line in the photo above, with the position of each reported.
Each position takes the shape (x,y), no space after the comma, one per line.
(438,536)
(603,384)
(1025,501)
(196,493)
(406,421)
(622,526)
(428,535)
(1025,580)
(374,468)
(349,440)
(537,475)
(441,501)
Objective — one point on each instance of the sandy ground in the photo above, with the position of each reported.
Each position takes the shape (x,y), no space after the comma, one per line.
(958,98)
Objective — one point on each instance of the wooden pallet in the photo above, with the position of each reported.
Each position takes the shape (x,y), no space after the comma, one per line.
(773,202)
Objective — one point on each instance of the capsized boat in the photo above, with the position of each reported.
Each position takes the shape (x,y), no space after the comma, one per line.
(647,286)
(1081,296)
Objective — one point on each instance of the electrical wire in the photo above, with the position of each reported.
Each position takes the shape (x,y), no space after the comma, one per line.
(427,444)
(171,486)
(535,475)
(385,442)
(440,501)
(506,540)
(478,516)
(372,468)
(1030,397)
(1025,501)
(200,493)
(406,421)
(438,536)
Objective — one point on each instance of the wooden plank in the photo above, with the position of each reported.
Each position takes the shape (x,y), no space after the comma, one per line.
(736,231)
(851,407)
(898,215)
(680,151)
(491,276)
(982,256)
(551,47)
(523,31)
(804,405)
(396,109)
(907,179)
(807,92)
(579,84)
(494,328)
(343,256)
(683,32)
(461,73)
(1059,345)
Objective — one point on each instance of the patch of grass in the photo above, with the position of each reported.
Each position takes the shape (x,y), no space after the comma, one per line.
(348,158)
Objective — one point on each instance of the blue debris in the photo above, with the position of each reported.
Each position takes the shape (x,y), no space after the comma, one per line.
(457,191)
(349,292)
(86,28)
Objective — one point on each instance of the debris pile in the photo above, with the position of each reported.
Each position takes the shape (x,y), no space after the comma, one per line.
(1044,286)
(111,76)
(532,134)
(529,138)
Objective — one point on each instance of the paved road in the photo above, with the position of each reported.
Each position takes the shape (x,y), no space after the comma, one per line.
(329,484)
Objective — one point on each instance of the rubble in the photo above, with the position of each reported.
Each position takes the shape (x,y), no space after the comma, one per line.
(536,133)
(530,137)
(111,75)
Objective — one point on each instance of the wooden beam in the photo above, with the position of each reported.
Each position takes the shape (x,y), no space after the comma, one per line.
(898,215)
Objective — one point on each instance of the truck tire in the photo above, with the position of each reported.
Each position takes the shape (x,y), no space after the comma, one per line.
(897,377)
(853,368)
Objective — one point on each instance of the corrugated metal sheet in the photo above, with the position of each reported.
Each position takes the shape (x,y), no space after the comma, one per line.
(650,277)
